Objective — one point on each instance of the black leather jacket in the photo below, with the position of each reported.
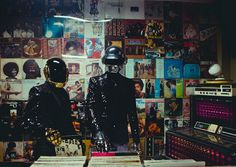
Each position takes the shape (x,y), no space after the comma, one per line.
(111,104)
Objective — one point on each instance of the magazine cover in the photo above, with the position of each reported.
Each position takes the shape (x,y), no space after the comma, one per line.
(73,29)
(154,10)
(173,107)
(150,88)
(134,48)
(190,31)
(186,109)
(173,30)
(115,28)
(53,47)
(94,47)
(76,67)
(191,71)
(134,28)
(94,67)
(139,87)
(73,8)
(173,68)
(170,88)
(94,9)
(189,86)
(174,49)
(76,89)
(172,11)
(159,88)
(54,7)
(94,30)
(11,90)
(69,147)
(11,69)
(10,48)
(32,68)
(27,85)
(159,68)
(154,29)
(53,27)
(33,48)
(144,68)
(73,47)
(191,12)
(154,48)
(13,151)
(179,88)
(191,54)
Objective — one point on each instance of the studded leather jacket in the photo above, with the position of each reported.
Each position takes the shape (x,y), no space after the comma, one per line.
(111,105)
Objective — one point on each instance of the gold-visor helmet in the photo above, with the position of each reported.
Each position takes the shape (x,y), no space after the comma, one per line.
(56,72)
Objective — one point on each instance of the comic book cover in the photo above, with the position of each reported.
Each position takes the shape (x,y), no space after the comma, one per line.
(54,7)
(10,48)
(172,11)
(186,108)
(144,68)
(139,87)
(154,109)
(179,88)
(73,29)
(73,47)
(154,29)
(27,85)
(159,68)
(94,9)
(134,48)
(173,107)
(134,28)
(170,88)
(207,31)
(76,89)
(159,88)
(191,54)
(173,68)
(173,30)
(150,88)
(32,47)
(154,48)
(11,69)
(94,47)
(94,67)
(174,49)
(73,8)
(94,30)
(69,147)
(32,68)
(189,86)
(112,41)
(190,31)
(154,10)
(11,90)
(154,147)
(54,48)
(191,12)
(76,67)
(191,71)
(115,28)
(53,27)
(13,151)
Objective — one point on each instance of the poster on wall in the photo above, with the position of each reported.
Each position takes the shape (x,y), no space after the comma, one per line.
(139,87)
(27,85)
(53,27)
(154,10)
(159,88)
(73,29)
(170,88)
(33,48)
(94,47)
(73,47)
(73,8)
(154,29)
(173,107)
(11,69)
(159,68)
(115,28)
(11,89)
(94,9)
(179,88)
(94,30)
(53,47)
(173,68)
(32,68)
(134,48)
(76,89)
(144,68)
(94,67)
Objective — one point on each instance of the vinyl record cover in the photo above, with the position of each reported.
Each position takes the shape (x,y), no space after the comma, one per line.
(173,107)
(129,68)
(73,29)
(11,90)
(150,88)
(172,123)
(144,68)
(134,48)
(10,48)
(33,47)
(154,29)
(115,28)
(169,88)
(159,88)
(159,68)
(53,27)
(174,49)
(13,151)
(54,48)
(186,108)
(73,48)
(94,30)
(94,9)
(191,71)
(154,10)
(140,107)
(189,86)
(139,87)
(173,31)
(191,31)
(32,68)
(112,41)
(76,68)
(191,54)
(94,67)
(73,8)
(94,47)
(11,69)
(173,68)
(154,48)
(27,85)
(141,127)
(179,88)
(76,89)
(134,28)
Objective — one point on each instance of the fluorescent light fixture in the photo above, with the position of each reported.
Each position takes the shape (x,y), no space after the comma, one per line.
(82,20)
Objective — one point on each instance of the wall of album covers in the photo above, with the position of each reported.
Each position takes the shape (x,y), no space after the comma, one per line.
(169,46)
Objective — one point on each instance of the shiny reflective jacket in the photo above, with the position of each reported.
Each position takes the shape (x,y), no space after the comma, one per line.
(110,105)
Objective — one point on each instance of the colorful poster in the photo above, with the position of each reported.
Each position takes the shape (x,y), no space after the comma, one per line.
(174,49)
(73,47)
(33,48)
(94,47)
(134,28)
(54,48)
(53,27)
(191,54)
(186,109)
(94,67)
(129,70)
(76,68)
(189,85)
(154,48)
(159,68)
(154,29)
(94,30)
(173,69)
(134,48)
(179,88)
(73,29)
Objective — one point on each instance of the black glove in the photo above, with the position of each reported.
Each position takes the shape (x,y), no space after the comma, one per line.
(101,143)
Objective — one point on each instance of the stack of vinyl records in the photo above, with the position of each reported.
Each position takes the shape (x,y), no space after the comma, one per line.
(174,163)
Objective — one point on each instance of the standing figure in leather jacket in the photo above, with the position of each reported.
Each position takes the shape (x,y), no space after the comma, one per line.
(47,114)
(111,105)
